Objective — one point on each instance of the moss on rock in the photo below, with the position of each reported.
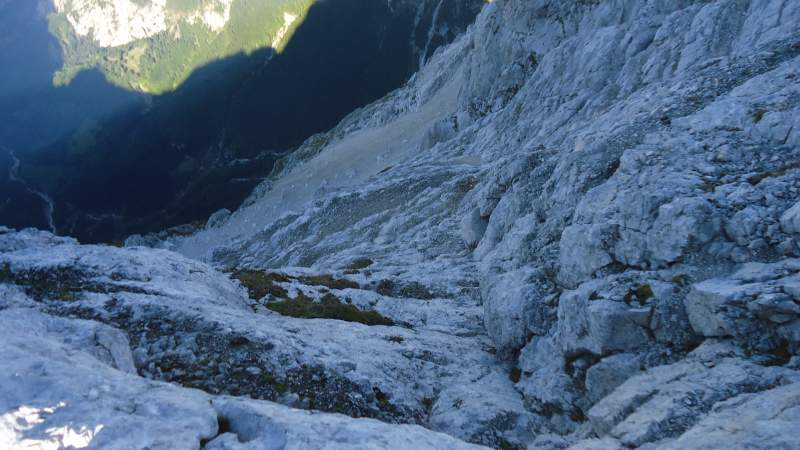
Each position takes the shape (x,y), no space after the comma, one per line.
(329,282)
(260,284)
(329,307)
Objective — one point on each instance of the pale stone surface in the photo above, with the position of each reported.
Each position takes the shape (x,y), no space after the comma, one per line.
(218,218)
(603,377)
(635,164)
(56,394)
(757,303)
(790,220)
(666,401)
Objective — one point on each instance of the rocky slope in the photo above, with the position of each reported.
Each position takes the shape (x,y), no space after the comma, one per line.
(575,227)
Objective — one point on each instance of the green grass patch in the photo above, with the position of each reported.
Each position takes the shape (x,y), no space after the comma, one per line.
(260,284)
(329,282)
(359,264)
(329,307)
(680,280)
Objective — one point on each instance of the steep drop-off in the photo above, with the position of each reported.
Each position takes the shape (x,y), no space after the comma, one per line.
(576,227)
(153,46)
(177,157)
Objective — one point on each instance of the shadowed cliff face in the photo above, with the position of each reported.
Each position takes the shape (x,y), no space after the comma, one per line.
(178,157)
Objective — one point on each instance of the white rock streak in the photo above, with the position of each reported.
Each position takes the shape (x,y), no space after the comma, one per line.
(112,24)
(215,15)
(288,20)
(117,23)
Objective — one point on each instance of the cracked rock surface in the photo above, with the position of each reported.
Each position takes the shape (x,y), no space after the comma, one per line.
(576,227)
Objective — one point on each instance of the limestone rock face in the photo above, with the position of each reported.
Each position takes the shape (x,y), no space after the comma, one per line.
(757,303)
(577,225)
(666,401)
(790,220)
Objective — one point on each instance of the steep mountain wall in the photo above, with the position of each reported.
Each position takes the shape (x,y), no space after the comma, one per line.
(577,225)
(599,161)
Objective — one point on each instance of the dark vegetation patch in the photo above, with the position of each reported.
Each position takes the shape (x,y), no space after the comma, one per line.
(359,264)
(515,375)
(576,366)
(779,172)
(641,294)
(260,284)
(412,289)
(329,282)
(329,307)
(680,280)
(780,355)
(709,186)
(505,444)
(184,230)
(380,396)
(59,283)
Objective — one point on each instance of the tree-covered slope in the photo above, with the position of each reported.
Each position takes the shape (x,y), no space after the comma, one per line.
(154,45)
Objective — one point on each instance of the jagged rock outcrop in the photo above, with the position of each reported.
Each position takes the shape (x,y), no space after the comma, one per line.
(580,218)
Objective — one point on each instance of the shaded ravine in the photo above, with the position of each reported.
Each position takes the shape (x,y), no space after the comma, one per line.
(14,177)
(178,158)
